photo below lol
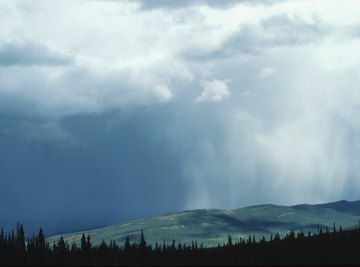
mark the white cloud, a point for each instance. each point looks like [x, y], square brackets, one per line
[214, 91]
[114, 64]
[163, 93]
[267, 72]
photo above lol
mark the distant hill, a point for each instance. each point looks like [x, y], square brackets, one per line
[211, 226]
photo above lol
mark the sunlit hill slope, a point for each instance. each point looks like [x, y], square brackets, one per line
[212, 226]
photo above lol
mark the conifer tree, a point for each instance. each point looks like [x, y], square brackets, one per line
[164, 246]
[41, 239]
[142, 242]
[88, 244]
[61, 247]
[229, 241]
[83, 243]
[127, 245]
[20, 238]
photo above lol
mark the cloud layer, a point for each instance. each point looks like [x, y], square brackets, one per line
[220, 105]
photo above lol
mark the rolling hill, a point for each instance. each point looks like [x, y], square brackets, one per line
[211, 226]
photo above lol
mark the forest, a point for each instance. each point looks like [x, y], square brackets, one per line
[325, 247]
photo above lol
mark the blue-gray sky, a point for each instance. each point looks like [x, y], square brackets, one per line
[115, 110]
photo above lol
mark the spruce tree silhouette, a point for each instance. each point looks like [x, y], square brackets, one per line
[83, 243]
[61, 248]
[142, 242]
[127, 245]
[229, 241]
[325, 248]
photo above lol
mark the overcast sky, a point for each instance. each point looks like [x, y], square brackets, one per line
[112, 110]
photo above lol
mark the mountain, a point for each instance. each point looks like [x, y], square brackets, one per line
[212, 226]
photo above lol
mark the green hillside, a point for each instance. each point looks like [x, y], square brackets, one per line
[211, 226]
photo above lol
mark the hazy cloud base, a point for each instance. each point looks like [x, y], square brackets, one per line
[175, 106]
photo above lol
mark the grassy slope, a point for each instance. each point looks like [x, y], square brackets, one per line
[211, 226]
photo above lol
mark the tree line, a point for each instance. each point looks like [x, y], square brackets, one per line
[336, 247]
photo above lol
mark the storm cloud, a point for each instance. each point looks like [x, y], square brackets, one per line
[114, 110]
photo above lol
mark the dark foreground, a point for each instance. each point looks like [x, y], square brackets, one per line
[335, 247]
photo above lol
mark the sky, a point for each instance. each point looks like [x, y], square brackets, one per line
[112, 110]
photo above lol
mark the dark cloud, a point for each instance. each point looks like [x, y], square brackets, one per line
[141, 161]
[29, 53]
[126, 167]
